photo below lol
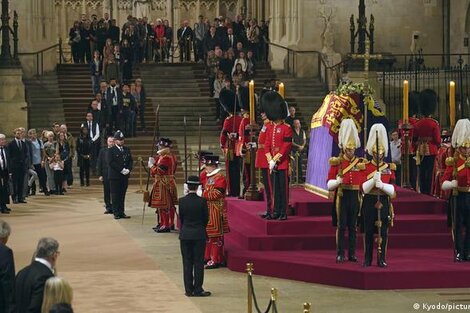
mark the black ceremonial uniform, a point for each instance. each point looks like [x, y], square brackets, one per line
[119, 158]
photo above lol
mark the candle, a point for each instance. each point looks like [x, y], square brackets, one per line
[281, 90]
[452, 103]
[252, 101]
[405, 102]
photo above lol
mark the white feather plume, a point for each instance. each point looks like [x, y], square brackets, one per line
[377, 129]
[461, 132]
[348, 132]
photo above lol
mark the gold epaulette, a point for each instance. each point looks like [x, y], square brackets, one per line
[450, 161]
[334, 161]
[392, 166]
[361, 165]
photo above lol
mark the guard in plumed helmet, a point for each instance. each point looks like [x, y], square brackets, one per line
[214, 193]
[378, 189]
[119, 167]
[278, 144]
[164, 195]
[244, 135]
[229, 140]
[345, 179]
[445, 151]
[457, 179]
[427, 139]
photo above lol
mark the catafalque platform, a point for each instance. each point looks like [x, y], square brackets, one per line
[303, 247]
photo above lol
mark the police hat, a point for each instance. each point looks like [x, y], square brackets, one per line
[193, 180]
[164, 142]
[274, 106]
[118, 135]
[211, 160]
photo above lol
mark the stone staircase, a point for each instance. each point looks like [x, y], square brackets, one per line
[181, 90]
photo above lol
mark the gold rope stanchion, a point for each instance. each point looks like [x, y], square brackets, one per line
[307, 307]
[141, 190]
[249, 271]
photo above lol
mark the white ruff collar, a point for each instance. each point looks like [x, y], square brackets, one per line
[213, 172]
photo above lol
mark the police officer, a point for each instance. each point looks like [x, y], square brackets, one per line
[119, 168]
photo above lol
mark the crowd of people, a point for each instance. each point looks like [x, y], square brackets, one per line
[35, 288]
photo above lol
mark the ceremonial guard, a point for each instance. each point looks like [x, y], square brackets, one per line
[427, 139]
[164, 195]
[228, 141]
[345, 177]
[377, 210]
[119, 167]
[277, 147]
[413, 107]
[444, 152]
[214, 193]
[244, 135]
[202, 173]
[457, 179]
[262, 164]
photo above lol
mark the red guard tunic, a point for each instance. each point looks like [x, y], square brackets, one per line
[444, 152]
[164, 192]
[427, 136]
[352, 172]
[214, 193]
[261, 161]
[243, 135]
[278, 144]
[463, 172]
[231, 125]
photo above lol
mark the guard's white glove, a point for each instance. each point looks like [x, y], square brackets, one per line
[252, 145]
[368, 185]
[339, 179]
[151, 162]
[199, 191]
[377, 176]
[448, 185]
[272, 164]
[125, 171]
[388, 189]
[379, 184]
[185, 189]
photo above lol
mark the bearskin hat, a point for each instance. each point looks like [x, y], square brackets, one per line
[243, 99]
[413, 103]
[274, 106]
[428, 102]
[227, 100]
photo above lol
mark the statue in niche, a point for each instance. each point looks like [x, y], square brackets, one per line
[330, 57]
[142, 8]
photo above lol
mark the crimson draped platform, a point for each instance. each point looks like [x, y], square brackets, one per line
[303, 247]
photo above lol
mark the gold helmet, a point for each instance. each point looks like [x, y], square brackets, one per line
[461, 134]
[380, 131]
[348, 137]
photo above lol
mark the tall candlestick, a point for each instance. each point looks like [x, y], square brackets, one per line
[452, 103]
[281, 90]
[405, 102]
[252, 101]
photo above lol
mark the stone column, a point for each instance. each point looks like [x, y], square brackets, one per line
[217, 8]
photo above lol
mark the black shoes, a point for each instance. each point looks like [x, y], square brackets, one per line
[352, 258]
[458, 258]
[283, 217]
[366, 263]
[118, 217]
[5, 210]
[339, 259]
[381, 263]
[108, 211]
[199, 294]
[163, 230]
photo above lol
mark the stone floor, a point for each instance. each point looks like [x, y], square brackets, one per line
[124, 266]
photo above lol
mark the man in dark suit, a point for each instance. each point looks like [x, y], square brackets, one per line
[17, 165]
[4, 176]
[30, 281]
[194, 216]
[102, 172]
[119, 167]
[114, 101]
[7, 269]
[185, 38]
[229, 40]
[94, 134]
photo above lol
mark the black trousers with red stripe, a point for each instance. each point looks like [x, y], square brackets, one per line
[280, 185]
[267, 190]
